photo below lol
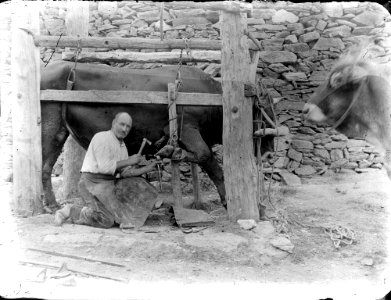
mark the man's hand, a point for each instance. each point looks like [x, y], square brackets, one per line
[134, 159]
[132, 171]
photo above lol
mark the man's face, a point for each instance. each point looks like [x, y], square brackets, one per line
[122, 126]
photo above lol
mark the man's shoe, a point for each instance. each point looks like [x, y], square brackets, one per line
[62, 215]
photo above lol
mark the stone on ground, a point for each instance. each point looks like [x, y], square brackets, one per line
[289, 178]
[247, 224]
[282, 243]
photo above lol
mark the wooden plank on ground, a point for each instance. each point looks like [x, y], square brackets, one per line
[141, 57]
[192, 217]
[289, 179]
[141, 97]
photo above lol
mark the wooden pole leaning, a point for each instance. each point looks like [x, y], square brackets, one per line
[173, 124]
[26, 111]
[196, 186]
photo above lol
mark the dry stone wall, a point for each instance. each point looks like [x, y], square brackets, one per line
[301, 43]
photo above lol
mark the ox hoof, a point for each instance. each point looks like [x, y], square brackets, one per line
[179, 154]
[165, 152]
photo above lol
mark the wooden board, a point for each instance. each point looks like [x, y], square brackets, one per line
[121, 97]
[191, 217]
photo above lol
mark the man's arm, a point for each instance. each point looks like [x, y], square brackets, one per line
[131, 161]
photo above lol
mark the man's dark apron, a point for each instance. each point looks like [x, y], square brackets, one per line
[108, 200]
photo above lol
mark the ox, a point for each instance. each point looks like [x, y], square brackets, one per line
[199, 127]
[356, 100]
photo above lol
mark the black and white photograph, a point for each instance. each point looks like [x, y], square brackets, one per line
[195, 150]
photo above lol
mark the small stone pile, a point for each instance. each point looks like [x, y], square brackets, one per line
[301, 43]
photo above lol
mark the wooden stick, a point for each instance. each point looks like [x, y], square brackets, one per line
[227, 6]
[282, 130]
[172, 115]
[75, 257]
[54, 267]
[160, 57]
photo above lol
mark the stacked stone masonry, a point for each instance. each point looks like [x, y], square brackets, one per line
[301, 43]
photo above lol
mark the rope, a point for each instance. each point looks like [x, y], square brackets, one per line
[339, 234]
[58, 41]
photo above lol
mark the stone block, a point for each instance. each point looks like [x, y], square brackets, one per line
[302, 146]
[335, 145]
[362, 30]
[295, 76]
[356, 143]
[283, 16]
[273, 44]
[322, 153]
[295, 155]
[278, 67]
[333, 9]
[305, 170]
[281, 162]
[336, 154]
[189, 21]
[369, 18]
[289, 105]
[327, 43]
[309, 37]
[282, 34]
[139, 24]
[290, 39]
[184, 13]
[253, 21]
[278, 57]
[321, 25]
[265, 13]
[339, 31]
[357, 156]
[297, 47]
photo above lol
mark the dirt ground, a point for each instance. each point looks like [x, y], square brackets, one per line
[222, 261]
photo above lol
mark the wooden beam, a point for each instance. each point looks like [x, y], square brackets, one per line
[240, 172]
[172, 116]
[279, 131]
[26, 112]
[76, 22]
[162, 57]
[227, 6]
[196, 186]
[127, 43]
[126, 97]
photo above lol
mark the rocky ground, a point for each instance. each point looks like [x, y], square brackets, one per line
[279, 256]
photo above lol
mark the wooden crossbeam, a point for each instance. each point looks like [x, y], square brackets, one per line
[128, 43]
[160, 57]
[122, 97]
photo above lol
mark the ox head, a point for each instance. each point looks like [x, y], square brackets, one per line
[355, 95]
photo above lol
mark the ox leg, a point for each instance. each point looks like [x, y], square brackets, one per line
[54, 136]
[200, 153]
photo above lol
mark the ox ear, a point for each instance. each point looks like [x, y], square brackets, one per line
[349, 74]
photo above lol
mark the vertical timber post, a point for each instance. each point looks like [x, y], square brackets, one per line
[26, 111]
[77, 19]
[240, 172]
[196, 186]
[172, 117]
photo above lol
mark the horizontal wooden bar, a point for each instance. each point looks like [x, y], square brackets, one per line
[126, 97]
[128, 43]
[228, 6]
[161, 57]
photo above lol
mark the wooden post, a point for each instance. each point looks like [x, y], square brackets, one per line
[196, 186]
[172, 116]
[240, 172]
[26, 111]
[77, 25]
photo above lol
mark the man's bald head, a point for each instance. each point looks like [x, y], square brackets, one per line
[121, 125]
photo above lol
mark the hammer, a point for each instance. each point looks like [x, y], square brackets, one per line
[145, 141]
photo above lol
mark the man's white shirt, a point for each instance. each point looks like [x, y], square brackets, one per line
[103, 153]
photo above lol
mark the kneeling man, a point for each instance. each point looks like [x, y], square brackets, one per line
[106, 157]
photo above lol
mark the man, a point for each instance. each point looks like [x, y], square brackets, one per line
[106, 157]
